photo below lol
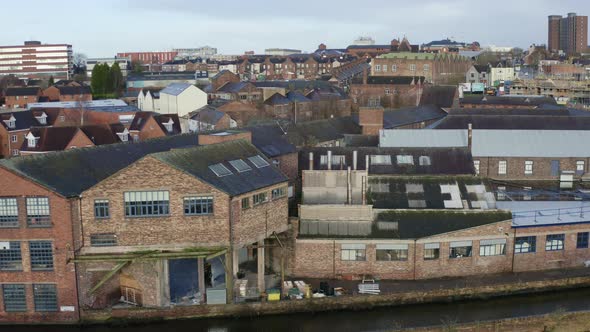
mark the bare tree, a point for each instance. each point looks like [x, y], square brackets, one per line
[79, 62]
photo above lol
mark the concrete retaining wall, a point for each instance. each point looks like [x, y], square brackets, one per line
[357, 302]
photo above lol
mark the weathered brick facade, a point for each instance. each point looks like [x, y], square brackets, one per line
[541, 259]
[515, 167]
[321, 258]
[371, 120]
[174, 232]
[60, 233]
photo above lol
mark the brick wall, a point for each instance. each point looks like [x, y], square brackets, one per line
[542, 259]
[515, 167]
[52, 93]
[60, 234]
[80, 140]
[371, 120]
[145, 277]
[6, 143]
[224, 78]
[150, 174]
[259, 222]
[77, 97]
[19, 101]
[151, 130]
[322, 258]
[390, 95]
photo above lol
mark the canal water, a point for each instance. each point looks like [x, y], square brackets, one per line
[381, 319]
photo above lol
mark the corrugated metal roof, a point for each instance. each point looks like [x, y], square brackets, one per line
[76, 104]
[531, 143]
[495, 143]
[422, 138]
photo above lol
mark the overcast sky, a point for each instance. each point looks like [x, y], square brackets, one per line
[103, 28]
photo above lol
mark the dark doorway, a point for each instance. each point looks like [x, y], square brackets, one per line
[183, 279]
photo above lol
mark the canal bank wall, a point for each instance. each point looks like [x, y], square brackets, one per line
[346, 302]
[554, 322]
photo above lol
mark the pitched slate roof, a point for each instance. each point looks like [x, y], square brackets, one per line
[208, 114]
[24, 120]
[277, 99]
[196, 161]
[100, 134]
[322, 130]
[442, 160]
[140, 119]
[22, 91]
[509, 121]
[395, 80]
[403, 224]
[271, 140]
[70, 172]
[500, 100]
[481, 68]
[297, 97]
[409, 115]
[175, 89]
[231, 87]
[165, 118]
[51, 138]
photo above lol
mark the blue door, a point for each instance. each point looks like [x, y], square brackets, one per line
[183, 278]
[554, 167]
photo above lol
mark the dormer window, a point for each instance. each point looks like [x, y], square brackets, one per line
[168, 125]
[11, 123]
[31, 140]
[42, 118]
[124, 136]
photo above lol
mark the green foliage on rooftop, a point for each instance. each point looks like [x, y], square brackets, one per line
[446, 216]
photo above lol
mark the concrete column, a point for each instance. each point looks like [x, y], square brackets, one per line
[235, 262]
[202, 288]
[260, 270]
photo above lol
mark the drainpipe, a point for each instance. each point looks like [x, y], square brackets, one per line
[354, 159]
[229, 261]
[334, 259]
[311, 161]
[415, 254]
[348, 187]
[74, 253]
[513, 245]
[329, 160]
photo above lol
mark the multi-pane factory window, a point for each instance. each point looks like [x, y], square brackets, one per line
[45, 297]
[201, 205]
[8, 212]
[15, 299]
[101, 208]
[103, 240]
[147, 203]
[10, 256]
[41, 255]
[38, 212]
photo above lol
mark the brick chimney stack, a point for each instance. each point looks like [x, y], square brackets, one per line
[371, 120]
